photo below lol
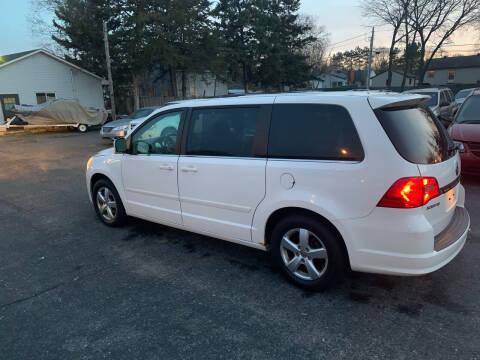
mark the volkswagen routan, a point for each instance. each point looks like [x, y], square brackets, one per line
[324, 181]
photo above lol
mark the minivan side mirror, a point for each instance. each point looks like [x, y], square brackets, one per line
[120, 145]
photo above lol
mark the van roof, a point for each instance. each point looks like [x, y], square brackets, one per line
[377, 99]
[425, 90]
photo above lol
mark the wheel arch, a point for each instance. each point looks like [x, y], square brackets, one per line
[284, 212]
[98, 176]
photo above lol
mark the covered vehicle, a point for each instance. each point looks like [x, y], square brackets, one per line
[465, 130]
[60, 113]
[119, 128]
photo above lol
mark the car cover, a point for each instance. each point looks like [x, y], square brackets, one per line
[60, 112]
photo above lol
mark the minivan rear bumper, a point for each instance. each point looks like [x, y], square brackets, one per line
[405, 247]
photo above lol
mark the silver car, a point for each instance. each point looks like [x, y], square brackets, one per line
[442, 101]
[119, 128]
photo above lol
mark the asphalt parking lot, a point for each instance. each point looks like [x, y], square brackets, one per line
[72, 288]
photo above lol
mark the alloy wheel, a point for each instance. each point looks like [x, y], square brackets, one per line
[106, 203]
[304, 254]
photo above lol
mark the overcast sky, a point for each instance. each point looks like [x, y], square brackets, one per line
[342, 19]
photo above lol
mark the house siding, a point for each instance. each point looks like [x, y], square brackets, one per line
[381, 80]
[40, 73]
[462, 76]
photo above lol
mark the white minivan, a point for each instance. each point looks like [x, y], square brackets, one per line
[325, 181]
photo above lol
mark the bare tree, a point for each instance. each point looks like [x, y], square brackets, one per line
[435, 21]
[390, 12]
[315, 51]
[41, 25]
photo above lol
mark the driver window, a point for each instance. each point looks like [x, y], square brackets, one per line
[159, 136]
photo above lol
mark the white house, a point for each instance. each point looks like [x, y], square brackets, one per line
[32, 77]
[330, 80]
[380, 80]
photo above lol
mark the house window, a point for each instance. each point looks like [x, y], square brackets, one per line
[451, 75]
[43, 97]
[431, 74]
[409, 81]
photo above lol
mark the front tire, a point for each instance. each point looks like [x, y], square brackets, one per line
[308, 252]
[107, 203]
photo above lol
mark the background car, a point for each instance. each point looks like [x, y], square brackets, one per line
[462, 95]
[442, 102]
[118, 128]
[465, 130]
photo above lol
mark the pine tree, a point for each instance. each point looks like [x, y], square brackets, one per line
[238, 43]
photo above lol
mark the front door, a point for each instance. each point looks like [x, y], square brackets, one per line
[149, 170]
[7, 102]
[221, 182]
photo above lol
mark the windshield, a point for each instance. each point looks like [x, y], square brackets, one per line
[433, 98]
[416, 134]
[140, 113]
[462, 94]
[469, 113]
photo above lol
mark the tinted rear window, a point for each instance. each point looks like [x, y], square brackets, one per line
[313, 131]
[416, 134]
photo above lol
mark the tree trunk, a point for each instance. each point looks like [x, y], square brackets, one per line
[391, 54]
[421, 70]
[136, 92]
[184, 84]
[173, 82]
[215, 87]
[245, 77]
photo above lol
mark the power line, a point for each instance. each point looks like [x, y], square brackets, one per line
[460, 45]
[352, 38]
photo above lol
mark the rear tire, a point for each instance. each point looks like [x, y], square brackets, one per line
[308, 252]
[107, 203]
[82, 128]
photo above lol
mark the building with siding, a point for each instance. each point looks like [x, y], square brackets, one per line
[380, 80]
[453, 70]
[33, 77]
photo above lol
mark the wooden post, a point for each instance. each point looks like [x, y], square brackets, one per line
[109, 71]
[369, 68]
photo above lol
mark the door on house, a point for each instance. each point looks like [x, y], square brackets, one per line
[7, 102]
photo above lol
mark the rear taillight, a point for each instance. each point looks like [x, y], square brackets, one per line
[410, 192]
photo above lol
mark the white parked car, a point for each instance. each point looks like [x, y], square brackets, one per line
[322, 180]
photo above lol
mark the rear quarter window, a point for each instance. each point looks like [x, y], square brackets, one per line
[313, 131]
[416, 134]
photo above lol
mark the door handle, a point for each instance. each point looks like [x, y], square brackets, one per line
[166, 167]
[189, 169]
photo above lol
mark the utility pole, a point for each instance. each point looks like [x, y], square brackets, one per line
[369, 68]
[109, 70]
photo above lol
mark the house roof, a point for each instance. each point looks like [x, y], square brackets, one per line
[6, 60]
[338, 75]
[455, 62]
[396, 72]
